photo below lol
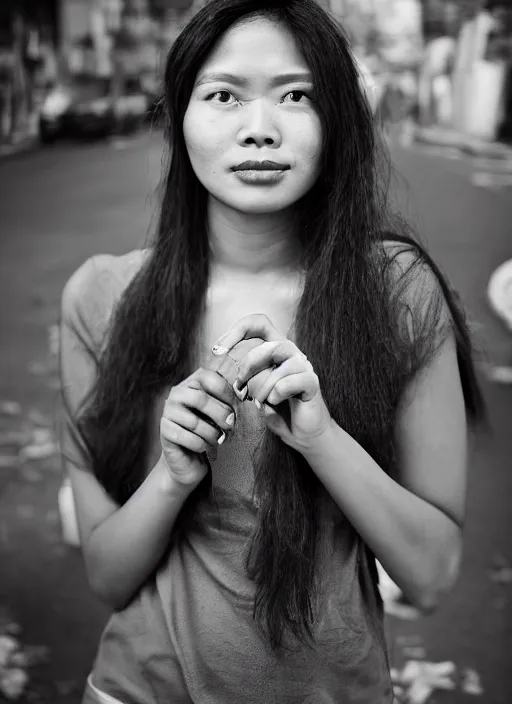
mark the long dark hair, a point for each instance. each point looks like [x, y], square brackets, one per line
[351, 320]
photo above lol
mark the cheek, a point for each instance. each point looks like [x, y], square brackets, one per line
[205, 144]
[308, 143]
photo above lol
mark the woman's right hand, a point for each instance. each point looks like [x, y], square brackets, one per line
[197, 413]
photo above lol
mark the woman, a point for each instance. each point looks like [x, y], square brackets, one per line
[272, 396]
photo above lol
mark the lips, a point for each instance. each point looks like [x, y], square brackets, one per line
[261, 166]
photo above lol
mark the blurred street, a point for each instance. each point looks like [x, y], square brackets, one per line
[58, 206]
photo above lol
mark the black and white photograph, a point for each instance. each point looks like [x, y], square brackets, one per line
[256, 351]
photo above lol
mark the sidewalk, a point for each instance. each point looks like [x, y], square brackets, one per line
[23, 140]
[489, 163]
[473, 146]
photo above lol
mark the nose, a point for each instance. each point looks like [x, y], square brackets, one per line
[258, 128]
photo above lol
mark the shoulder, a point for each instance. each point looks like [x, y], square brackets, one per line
[93, 290]
[411, 269]
[419, 290]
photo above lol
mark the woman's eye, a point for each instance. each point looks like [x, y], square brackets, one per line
[295, 96]
[221, 96]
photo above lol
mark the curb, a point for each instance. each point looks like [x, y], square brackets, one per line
[24, 145]
[464, 143]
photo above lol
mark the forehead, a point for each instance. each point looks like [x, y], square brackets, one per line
[256, 47]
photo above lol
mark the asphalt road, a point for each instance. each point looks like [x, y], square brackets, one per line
[58, 207]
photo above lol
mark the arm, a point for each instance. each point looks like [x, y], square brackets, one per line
[412, 522]
[121, 545]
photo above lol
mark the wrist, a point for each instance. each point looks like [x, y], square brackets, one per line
[318, 445]
[169, 485]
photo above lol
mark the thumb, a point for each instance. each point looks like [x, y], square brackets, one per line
[275, 422]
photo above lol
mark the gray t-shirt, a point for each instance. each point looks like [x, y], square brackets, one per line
[189, 636]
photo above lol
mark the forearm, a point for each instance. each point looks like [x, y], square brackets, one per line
[416, 543]
[124, 550]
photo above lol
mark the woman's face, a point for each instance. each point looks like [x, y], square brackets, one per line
[252, 102]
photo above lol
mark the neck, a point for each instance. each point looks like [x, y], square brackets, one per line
[251, 243]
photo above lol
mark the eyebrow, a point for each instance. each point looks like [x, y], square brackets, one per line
[280, 80]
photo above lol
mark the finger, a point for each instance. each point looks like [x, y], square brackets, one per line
[187, 419]
[293, 365]
[304, 385]
[268, 354]
[256, 383]
[214, 384]
[225, 365]
[256, 325]
[199, 401]
[176, 435]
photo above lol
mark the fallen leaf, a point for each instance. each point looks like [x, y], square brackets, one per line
[10, 408]
[8, 645]
[42, 436]
[421, 679]
[39, 451]
[419, 692]
[18, 659]
[13, 683]
[471, 682]
[395, 675]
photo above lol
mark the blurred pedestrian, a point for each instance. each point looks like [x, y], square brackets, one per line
[435, 96]
[271, 396]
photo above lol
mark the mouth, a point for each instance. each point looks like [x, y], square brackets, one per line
[261, 166]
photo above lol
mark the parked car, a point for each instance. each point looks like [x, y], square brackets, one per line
[87, 107]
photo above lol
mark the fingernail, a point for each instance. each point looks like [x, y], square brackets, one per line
[268, 410]
[230, 420]
[240, 392]
[219, 350]
[222, 438]
[257, 403]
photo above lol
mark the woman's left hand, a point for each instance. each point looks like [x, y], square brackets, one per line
[290, 377]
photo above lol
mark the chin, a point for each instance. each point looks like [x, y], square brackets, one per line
[260, 208]
[259, 204]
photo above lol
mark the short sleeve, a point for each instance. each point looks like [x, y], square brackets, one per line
[86, 305]
[88, 302]
[424, 316]
[77, 366]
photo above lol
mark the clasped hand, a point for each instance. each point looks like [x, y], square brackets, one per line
[290, 378]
